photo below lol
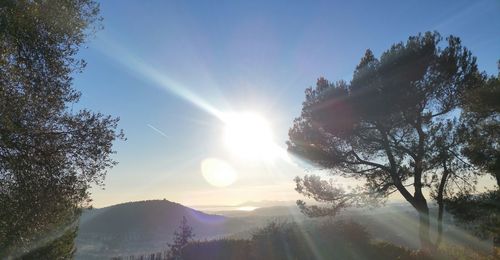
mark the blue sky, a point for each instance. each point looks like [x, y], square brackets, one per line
[155, 62]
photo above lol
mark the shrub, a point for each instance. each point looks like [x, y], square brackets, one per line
[217, 249]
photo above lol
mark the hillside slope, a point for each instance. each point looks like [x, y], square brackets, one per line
[144, 226]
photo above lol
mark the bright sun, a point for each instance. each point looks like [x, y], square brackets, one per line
[249, 136]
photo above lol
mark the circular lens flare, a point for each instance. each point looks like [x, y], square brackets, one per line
[217, 172]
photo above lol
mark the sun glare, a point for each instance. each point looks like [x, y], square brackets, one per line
[247, 208]
[249, 136]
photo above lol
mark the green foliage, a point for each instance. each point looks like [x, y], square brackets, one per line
[480, 134]
[62, 246]
[49, 154]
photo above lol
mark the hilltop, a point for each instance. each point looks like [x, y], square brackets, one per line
[144, 226]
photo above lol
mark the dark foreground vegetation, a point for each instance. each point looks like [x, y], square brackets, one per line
[51, 152]
[328, 240]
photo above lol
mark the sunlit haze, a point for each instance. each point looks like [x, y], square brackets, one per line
[206, 93]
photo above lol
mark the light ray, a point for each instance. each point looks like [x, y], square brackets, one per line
[148, 72]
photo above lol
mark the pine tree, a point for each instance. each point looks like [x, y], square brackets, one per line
[392, 126]
[182, 236]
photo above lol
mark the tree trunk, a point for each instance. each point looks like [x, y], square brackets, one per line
[423, 214]
[420, 201]
[440, 224]
[424, 229]
[439, 199]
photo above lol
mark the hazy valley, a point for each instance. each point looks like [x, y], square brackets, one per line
[143, 227]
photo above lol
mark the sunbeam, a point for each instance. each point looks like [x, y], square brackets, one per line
[140, 68]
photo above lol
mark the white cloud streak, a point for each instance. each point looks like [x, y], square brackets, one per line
[158, 131]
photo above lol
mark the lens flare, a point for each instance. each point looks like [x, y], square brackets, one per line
[217, 172]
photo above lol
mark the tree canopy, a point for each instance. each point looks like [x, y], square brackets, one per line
[480, 129]
[479, 133]
[50, 154]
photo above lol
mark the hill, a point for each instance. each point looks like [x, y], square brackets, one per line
[144, 226]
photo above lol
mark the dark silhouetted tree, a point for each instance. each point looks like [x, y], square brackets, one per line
[50, 154]
[182, 236]
[382, 126]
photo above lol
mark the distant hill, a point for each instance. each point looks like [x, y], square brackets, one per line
[273, 211]
[268, 203]
[144, 226]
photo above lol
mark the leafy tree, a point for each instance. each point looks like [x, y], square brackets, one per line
[181, 238]
[61, 246]
[385, 125]
[50, 154]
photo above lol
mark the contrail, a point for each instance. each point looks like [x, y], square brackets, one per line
[157, 130]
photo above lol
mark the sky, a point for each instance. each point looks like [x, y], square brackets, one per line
[169, 69]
